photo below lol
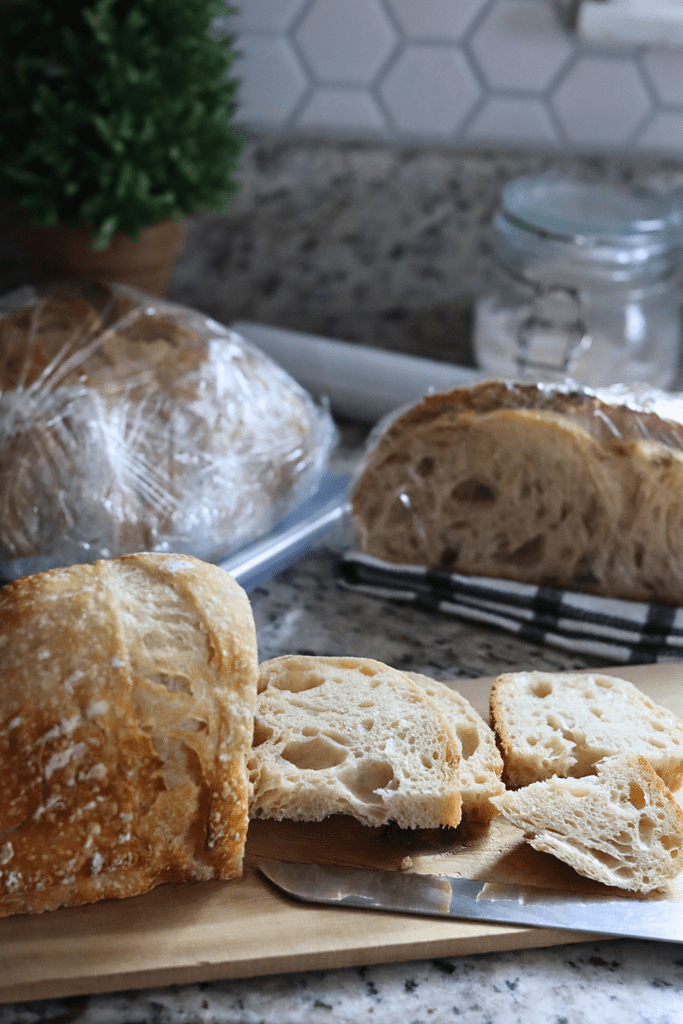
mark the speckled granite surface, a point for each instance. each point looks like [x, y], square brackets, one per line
[614, 982]
[383, 244]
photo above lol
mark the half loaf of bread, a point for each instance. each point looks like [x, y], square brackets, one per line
[481, 766]
[563, 724]
[350, 736]
[529, 483]
[621, 826]
[126, 713]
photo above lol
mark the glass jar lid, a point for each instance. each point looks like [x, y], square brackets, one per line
[549, 222]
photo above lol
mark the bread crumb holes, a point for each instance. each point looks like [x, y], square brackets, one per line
[542, 688]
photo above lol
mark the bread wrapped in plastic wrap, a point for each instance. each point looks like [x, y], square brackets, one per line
[550, 484]
[131, 424]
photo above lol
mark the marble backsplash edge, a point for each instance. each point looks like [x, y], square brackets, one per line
[378, 243]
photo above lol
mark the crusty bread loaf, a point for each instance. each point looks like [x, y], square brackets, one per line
[126, 712]
[28, 343]
[529, 483]
[621, 826]
[481, 766]
[350, 736]
[133, 426]
[563, 724]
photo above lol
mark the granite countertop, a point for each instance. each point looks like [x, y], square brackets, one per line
[617, 982]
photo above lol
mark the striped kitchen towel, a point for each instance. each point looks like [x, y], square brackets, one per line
[623, 632]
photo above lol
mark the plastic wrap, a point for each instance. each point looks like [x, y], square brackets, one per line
[619, 411]
[553, 484]
[128, 423]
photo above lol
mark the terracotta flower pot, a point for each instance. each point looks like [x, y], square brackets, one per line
[65, 253]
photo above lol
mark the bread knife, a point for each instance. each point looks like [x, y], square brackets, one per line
[628, 916]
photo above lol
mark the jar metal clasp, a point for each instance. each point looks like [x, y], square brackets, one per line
[553, 336]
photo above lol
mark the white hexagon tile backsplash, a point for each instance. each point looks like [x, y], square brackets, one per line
[508, 73]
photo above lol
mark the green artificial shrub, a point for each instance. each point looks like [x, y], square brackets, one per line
[115, 114]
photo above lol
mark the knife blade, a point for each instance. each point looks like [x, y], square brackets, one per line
[630, 916]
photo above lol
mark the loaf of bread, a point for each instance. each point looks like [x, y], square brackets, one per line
[350, 736]
[127, 424]
[621, 827]
[481, 766]
[534, 483]
[563, 724]
[126, 713]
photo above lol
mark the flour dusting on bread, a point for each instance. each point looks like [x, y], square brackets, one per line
[126, 713]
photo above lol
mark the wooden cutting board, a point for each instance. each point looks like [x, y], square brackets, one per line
[178, 934]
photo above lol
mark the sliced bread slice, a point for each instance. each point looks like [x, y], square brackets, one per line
[481, 766]
[350, 736]
[621, 827]
[550, 723]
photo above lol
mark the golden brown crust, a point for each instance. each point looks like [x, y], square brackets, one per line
[586, 409]
[503, 738]
[126, 712]
[660, 787]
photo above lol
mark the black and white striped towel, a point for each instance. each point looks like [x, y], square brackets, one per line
[623, 632]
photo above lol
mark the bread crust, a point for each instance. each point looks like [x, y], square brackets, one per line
[481, 766]
[603, 420]
[126, 713]
[529, 483]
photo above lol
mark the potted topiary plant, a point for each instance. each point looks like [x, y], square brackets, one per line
[115, 124]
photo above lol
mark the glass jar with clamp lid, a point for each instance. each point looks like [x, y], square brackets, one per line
[584, 284]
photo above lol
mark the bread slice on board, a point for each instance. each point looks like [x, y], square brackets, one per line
[563, 724]
[529, 483]
[621, 827]
[351, 736]
[481, 766]
[126, 712]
